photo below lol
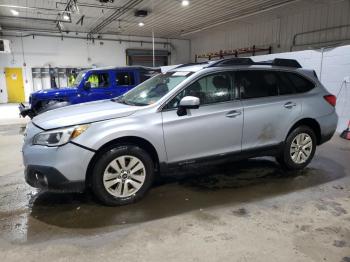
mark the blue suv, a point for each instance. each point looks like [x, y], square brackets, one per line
[90, 85]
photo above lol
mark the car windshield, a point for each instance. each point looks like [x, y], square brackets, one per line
[80, 77]
[153, 89]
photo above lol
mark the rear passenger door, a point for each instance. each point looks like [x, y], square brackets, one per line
[270, 106]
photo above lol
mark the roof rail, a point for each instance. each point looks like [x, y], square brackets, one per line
[232, 62]
[193, 64]
[249, 61]
[286, 62]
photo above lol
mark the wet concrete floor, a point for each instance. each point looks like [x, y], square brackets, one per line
[246, 211]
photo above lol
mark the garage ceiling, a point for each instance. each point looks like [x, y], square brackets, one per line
[168, 18]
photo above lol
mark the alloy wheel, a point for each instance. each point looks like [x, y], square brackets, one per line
[124, 176]
[301, 148]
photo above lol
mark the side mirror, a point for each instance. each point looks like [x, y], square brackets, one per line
[87, 86]
[188, 102]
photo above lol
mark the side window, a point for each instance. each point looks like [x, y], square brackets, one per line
[285, 86]
[210, 89]
[99, 80]
[300, 84]
[125, 79]
[143, 76]
[257, 83]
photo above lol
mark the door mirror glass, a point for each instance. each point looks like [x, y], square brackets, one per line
[87, 85]
[188, 102]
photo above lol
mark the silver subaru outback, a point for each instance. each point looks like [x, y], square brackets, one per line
[195, 114]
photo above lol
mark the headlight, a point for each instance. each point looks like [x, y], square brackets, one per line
[59, 137]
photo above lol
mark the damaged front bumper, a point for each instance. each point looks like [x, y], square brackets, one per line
[26, 111]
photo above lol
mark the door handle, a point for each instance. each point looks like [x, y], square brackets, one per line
[290, 105]
[233, 113]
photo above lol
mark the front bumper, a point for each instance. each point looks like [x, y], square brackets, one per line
[25, 111]
[50, 178]
[56, 168]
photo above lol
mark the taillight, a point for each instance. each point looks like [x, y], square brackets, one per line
[331, 99]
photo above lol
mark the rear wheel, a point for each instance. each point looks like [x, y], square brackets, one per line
[299, 149]
[122, 175]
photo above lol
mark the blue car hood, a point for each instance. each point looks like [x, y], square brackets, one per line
[52, 93]
[83, 113]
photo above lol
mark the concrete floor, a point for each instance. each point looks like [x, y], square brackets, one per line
[248, 211]
[9, 114]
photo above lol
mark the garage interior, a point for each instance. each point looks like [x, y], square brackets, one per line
[249, 210]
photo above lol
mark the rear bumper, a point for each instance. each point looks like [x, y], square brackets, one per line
[328, 126]
[50, 178]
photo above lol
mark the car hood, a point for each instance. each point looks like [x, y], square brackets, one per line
[83, 113]
[51, 93]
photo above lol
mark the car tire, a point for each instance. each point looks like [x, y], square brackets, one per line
[299, 149]
[122, 175]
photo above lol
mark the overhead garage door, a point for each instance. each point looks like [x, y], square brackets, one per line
[145, 57]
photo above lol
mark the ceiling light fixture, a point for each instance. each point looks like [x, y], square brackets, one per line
[185, 2]
[14, 12]
[141, 13]
[141, 24]
[66, 17]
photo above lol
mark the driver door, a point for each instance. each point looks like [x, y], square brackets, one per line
[212, 130]
[100, 87]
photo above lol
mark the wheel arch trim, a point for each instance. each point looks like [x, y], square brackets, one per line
[124, 140]
[310, 122]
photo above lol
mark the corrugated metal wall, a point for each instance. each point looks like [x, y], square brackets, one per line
[279, 27]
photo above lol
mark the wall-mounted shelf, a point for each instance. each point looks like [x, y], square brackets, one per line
[41, 76]
[234, 52]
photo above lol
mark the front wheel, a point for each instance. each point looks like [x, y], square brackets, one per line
[122, 175]
[299, 149]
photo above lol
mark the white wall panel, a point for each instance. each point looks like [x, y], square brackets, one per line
[44, 51]
[277, 28]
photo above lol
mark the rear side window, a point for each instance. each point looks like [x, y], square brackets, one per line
[144, 76]
[255, 84]
[261, 83]
[300, 83]
[125, 79]
[285, 86]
